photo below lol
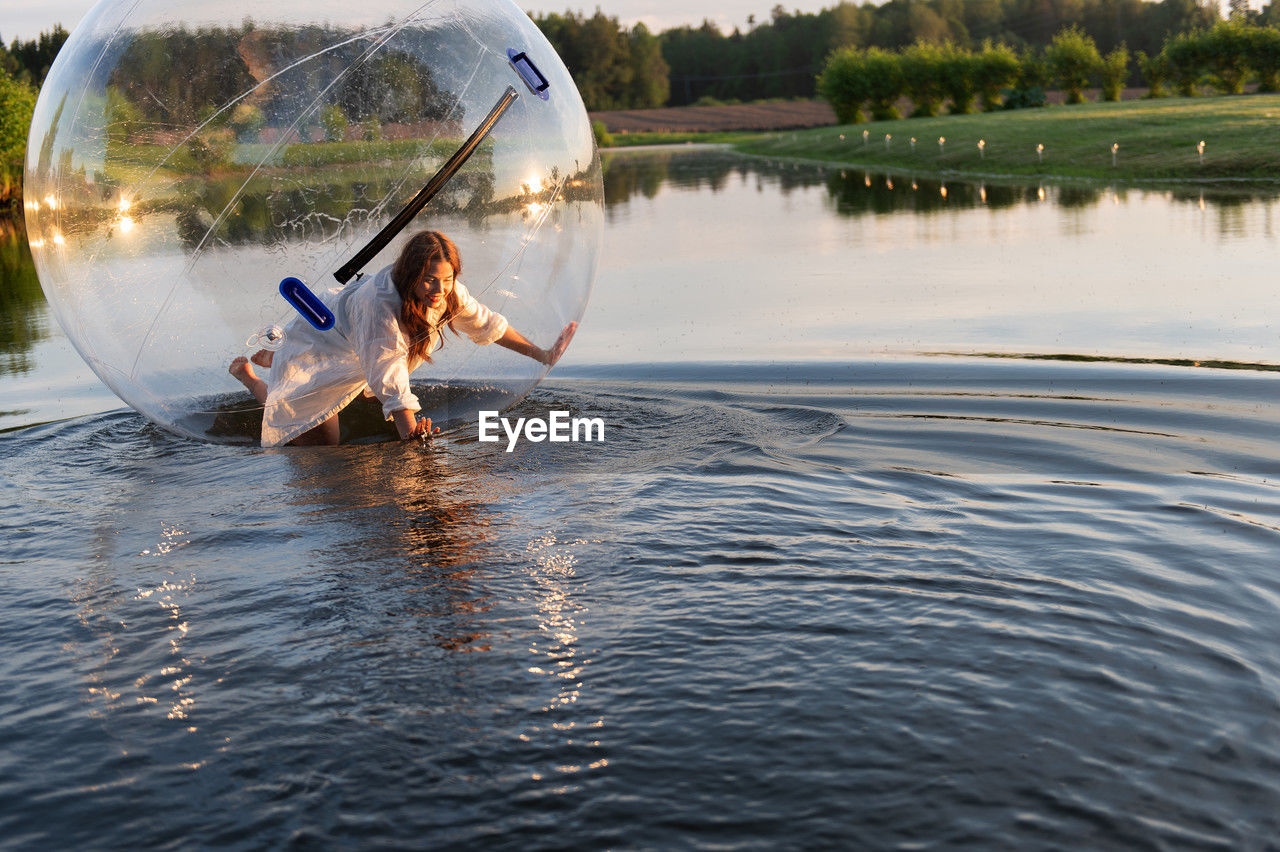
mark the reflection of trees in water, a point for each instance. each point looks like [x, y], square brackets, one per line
[854, 192]
[631, 173]
[316, 210]
[1075, 196]
[1228, 206]
[317, 206]
[857, 192]
[22, 323]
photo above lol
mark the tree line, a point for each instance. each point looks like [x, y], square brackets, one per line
[782, 56]
[23, 66]
[872, 81]
[1005, 47]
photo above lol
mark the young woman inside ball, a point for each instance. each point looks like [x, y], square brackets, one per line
[386, 326]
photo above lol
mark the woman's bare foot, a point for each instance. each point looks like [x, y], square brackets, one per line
[243, 371]
[262, 357]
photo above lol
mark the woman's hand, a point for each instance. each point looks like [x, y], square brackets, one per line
[552, 355]
[411, 426]
[516, 342]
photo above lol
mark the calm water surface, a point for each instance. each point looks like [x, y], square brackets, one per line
[813, 590]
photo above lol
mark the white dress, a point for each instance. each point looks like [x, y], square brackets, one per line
[315, 374]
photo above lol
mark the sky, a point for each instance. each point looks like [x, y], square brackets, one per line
[26, 19]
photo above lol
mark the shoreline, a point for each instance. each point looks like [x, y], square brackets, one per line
[1148, 141]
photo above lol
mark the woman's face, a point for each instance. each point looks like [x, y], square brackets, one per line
[436, 286]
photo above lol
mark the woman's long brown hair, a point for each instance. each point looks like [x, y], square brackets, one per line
[423, 249]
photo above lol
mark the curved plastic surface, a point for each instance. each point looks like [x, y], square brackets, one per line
[185, 157]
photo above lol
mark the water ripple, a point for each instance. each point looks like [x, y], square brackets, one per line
[807, 613]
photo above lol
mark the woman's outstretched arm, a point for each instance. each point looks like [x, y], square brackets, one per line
[517, 342]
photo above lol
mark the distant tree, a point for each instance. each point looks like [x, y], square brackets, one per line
[843, 84]
[650, 80]
[1032, 79]
[1155, 73]
[1074, 58]
[8, 63]
[884, 82]
[1225, 51]
[602, 69]
[1184, 56]
[846, 25]
[1172, 17]
[123, 117]
[921, 66]
[616, 68]
[994, 70]
[247, 120]
[1114, 69]
[959, 70]
[1033, 70]
[34, 58]
[17, 103]
[335, 123]
[1264, 57]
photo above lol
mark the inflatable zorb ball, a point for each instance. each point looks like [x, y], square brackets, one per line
[187, 157]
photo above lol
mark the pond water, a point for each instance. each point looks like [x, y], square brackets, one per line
[847, 569]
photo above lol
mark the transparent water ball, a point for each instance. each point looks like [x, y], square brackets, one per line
[187, 157]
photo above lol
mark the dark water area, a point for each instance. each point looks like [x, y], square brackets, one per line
[814, 589]
[946, 604]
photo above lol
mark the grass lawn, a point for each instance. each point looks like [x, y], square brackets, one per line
[1156, 140]
[635, 139]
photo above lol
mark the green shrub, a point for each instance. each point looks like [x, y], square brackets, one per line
[1263, 56]
[1155, 72]
[123, 117]
[210, 149]
[1033, 71]
[1074, 58]
[335, 122]
[1225, 52]
[17, 103]
[921, 65]
[1115, 71]
[1184, 56]
[1024, 98]
[958, 67]
[604, 139]
[247, 120]
[883, 73]
[994, 70]
[843, 85]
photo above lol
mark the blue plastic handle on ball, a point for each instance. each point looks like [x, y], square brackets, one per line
[528, 72]
[307, 303]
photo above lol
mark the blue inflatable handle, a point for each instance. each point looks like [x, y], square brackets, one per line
[307, 303]
[528, 72]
